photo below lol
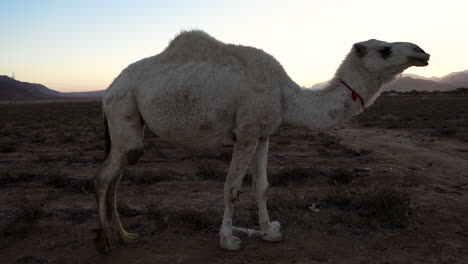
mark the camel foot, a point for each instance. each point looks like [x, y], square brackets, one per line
[102, 242]
[231, 243]
[129, 238]
[273, 234]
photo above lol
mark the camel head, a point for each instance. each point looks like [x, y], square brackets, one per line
[389, 58]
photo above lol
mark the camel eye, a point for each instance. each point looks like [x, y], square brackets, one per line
[385, 51]
[419, 50]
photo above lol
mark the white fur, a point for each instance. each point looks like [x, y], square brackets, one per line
[201, 93]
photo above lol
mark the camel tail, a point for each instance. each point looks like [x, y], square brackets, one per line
[106, 137]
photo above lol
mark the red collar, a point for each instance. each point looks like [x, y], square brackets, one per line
[354, 94]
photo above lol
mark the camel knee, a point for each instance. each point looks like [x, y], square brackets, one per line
[234, 194]
[134, 154]
[261, 195]
[104, 177]
[261, 188]
[100, 183]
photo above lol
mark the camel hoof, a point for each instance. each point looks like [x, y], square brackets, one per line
[102, 243]
[272, 237]
[129, 238]
[231, 243]
[274, 233]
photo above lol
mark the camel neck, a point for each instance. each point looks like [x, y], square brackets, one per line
[319, 110]
[355, 95]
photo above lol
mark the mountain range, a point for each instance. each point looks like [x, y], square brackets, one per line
[11, 89]
[409, 82]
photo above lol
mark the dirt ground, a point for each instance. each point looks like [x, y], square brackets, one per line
[378, 194]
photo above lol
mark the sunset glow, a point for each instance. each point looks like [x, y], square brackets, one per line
[83, 45]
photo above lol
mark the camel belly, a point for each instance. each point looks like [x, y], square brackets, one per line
[197, 130]
[192, 106]
[196, 140]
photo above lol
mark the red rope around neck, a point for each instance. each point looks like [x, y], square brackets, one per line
[354, 94]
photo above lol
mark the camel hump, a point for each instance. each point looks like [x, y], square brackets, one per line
[196, 45]
[194, 39]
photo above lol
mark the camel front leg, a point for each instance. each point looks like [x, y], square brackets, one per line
[271, 231]
[241, 157]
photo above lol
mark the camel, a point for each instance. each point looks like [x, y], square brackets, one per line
[201, 93]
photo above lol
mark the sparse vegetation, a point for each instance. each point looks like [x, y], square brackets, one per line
[31, 260]
[59, 146]
[8, 176]
[446, 114]
[341, 176]
[187, 218]
[148, 176]
[373, 208]
[7, 147]
[60, 180]
[291, 209]
[290, 174]
[45, 158]
[206, 171]
[22, 218]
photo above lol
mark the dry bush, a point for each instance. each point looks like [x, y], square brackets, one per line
[371, 209]
[292, 210]
[58, 179]
[7, 147]
[185, 219]
[207, 171]
[23, 218]
[341, 176]
[292, 174]
[44, 158]
[31, 260]
[63, 137]
[386, 207]
[132, 177]
[446, 114]
[8, 176]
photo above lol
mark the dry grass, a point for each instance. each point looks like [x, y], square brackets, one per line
[22, 219]
[7, 147]
[291, 174]
[445, 114]
[370, 209]
[206, 171]
[341, 176]
[58, 179]
[133, 177]
[185, 219]
[8, 176]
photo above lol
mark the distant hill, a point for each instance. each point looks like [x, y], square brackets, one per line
[409, 82]
[459, 79]
[405, 84]
[11, 89]
[92, 94]
[456, 79]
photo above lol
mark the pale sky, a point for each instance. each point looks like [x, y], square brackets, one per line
[71, 45]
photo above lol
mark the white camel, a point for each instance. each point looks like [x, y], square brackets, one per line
[200, 93]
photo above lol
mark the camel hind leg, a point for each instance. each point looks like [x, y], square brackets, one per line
[126, 135]
[111, 200]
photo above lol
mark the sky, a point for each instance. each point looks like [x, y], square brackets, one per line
[83, 45]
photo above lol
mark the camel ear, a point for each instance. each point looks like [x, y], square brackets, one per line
[360, 50]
